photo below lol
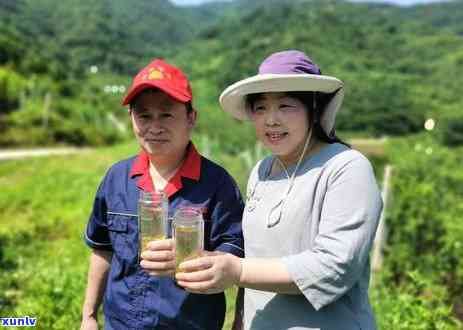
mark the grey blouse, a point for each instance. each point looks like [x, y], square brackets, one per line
[324, 237]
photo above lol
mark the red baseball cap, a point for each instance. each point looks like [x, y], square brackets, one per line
[161, 75]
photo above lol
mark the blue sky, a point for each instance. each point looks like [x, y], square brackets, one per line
[398, 2]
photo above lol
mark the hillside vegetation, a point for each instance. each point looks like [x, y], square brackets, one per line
[400, 65]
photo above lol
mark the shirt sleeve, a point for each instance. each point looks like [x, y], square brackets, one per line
[349, 218]
[226, 232]
[96, 234]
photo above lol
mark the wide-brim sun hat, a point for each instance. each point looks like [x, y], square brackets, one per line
[286, 71]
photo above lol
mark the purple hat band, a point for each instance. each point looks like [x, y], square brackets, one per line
[289, 62]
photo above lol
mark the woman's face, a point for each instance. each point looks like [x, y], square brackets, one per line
[282, 124]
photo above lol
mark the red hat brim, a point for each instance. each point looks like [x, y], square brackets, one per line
[155, 84]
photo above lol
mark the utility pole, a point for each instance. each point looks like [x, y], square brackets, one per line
[380, 238]
[46, 110]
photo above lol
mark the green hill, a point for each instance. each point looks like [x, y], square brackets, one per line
[400, 65]
[66, 36]
[47, 49]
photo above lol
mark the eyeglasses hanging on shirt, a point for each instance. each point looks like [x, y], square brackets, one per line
[276, 211]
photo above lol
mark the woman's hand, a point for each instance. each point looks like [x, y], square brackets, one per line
[159, 258]
[210, 274]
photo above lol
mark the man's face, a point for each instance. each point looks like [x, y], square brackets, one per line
[161, 125]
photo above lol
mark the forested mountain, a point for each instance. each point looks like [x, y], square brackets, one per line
[114, 33]
[47, 47]
[400, 65]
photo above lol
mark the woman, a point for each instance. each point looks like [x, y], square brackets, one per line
[312, 207]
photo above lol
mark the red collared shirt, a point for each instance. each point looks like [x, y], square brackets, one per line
[191, 168]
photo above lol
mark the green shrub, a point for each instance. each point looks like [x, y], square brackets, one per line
[424, 231]
[416, 304]
[11, 86]
[452, 131]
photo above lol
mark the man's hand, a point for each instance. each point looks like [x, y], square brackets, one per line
[89, 323]
[159, 258]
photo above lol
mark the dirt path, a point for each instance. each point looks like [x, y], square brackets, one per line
[368, 146]
[41, 152]
[374, 147]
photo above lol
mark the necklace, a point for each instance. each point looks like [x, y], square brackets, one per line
[274, 216]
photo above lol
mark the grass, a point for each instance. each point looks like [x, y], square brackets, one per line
[44, 206]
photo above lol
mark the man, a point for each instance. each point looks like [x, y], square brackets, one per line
[144, 295]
